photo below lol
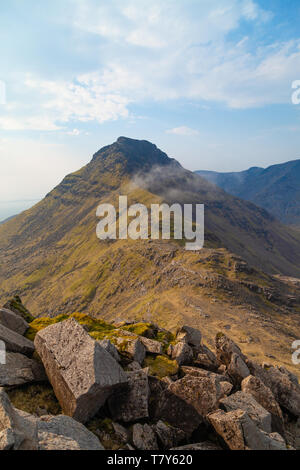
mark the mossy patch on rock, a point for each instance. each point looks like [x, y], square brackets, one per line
[98, 329]
[103, 429]
[141, 329]
[161, 366]
[31, 398]
[15, 304]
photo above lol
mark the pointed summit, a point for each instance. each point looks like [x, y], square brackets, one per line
[135, 155]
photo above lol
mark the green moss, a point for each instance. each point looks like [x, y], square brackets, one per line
[161, 366]
[141, 329]
[15, 304]
[98, 329]
[102, 428]
[31, 397]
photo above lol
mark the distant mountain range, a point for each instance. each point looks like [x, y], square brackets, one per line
[276, 188]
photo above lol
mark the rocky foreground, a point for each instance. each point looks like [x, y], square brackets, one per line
[137, 386]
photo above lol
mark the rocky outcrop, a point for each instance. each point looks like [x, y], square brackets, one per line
[15, 342]
[82, 373]
[12, 321]
[110, 348]
[20, 370]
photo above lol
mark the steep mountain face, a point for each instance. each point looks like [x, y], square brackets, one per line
[276, 188]
[50, 255]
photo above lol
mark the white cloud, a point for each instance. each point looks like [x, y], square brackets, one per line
[159, 51]
[183, 130]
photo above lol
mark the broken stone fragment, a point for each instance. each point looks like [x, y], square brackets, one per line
[110, 348]
[189, 335]
[244, 401]
[182, 353]
[237, 369]
[263, 395]
[206, 359]
[15, 342]
[13, 322]
[152, 346]
[20, 370]
[143, 437]
[225, 347]
[167, 435]
[83, 375]
[239, 432]
[131, 403]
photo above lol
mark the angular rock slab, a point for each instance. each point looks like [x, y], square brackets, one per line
[20, 370]
[189, 335]
[12, 321]
[83, 375]
[152, 346]
[143, 437]
[182, 353]
[263, 395]
[131, 404]
[240, 433]
[15, 342]
[167, 435]
[244, 401]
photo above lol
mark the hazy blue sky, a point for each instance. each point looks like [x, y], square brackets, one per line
[208, 81]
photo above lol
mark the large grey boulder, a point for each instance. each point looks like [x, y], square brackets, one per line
[83, 375]
[239, 432]
[20, 370]
[64, 433]
[244, 401]
[263, 395]
[131, 404]
[285, 390]
[12, 321]
[15, 342]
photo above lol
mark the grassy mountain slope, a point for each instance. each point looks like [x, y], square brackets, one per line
[276, 188]
[50, 255]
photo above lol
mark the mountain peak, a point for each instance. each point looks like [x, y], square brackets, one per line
[135, 154]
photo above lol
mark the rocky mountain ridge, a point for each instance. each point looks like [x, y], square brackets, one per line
[137, 386]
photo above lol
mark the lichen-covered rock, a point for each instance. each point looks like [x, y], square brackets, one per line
[133, 347]
[167, 435]
[143, 437]
[237, 369]
[110, 348]
[263, 395]
[244, 401]
[182, 353]
[83, 375]
[240, 433]
[285, 391]
[202, 393]
[16, 432]
[15, 342]
[134, 366]
[121, 432]
[131, 404]
[225, 347]
[152, 346]
[206, 359]
[67, 432]
[12, 321]
[189, 335]
[20, 370]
